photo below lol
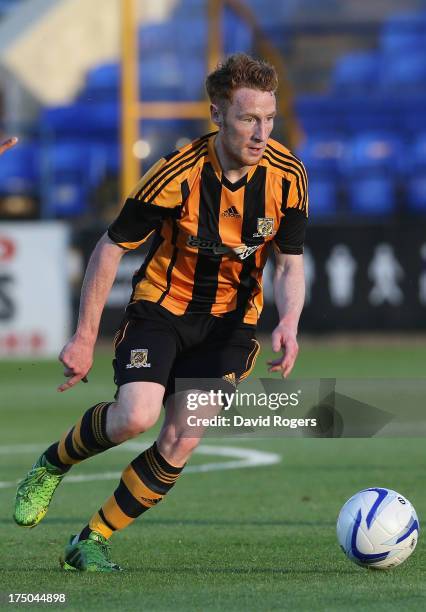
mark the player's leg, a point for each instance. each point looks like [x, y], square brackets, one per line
[143, 484]
[88, 550]
[151, 475]
[106, 424]
[179, 437]
[226, 358]
[100, 428]
[133, 413]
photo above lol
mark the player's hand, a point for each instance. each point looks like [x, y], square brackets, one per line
[284, 338]
[77, 357]
[8, 144]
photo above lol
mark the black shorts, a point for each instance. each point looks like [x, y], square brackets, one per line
[155, 345]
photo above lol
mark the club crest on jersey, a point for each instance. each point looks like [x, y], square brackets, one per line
[138, 359]
[265, 227]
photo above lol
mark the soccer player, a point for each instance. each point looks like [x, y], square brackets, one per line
[213, 208]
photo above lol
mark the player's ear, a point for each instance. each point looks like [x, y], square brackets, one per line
[216, 115]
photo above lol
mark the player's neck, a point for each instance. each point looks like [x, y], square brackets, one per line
[230, 167]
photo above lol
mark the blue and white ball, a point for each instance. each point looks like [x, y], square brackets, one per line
[378, 528]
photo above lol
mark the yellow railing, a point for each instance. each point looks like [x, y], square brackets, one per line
[133, 109]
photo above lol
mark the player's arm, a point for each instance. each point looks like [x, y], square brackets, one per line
[77, 354]
[289, 279]
[142, 213]
[289, 293]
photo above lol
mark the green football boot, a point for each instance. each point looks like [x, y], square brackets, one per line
[91, 555]
[35, 492]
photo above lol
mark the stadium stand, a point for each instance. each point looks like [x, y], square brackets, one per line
[403, 32]
[321, 155]
[355, 72]
[74, 169]
[19, 173]
[368, 167]
[416, 175]
[375, 102]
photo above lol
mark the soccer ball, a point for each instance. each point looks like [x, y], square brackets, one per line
[378, 528]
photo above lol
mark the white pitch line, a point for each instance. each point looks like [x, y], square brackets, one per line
[243, 458]
[18, 449]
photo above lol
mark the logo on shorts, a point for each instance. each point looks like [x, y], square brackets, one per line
[139, 359]
[265, 227]
[231, 378]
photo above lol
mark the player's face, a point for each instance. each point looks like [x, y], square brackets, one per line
[245, 125]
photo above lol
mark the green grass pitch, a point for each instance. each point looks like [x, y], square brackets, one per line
[254, 539]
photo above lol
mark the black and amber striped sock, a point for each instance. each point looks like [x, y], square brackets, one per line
[143, 484]
[86, 439]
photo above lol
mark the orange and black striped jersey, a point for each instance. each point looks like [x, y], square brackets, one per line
[211, 236]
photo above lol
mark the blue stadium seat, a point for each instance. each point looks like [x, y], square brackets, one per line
[356, 73]
[416, 192]
[192, 34]
[370, 168]
[321, 154]
[103, 81]
[193, 77]
[323, 196]
[162, 76]
[113, 158]
[371, 113]
[81, 120]
[415, 175]
[418, 152]
[19, 170]
[377, 151]
[372, 194]
[157, 38]
[189, 8]
[320, 113]
[65, 120]
[413, 113]
[102, 84]
[104, 120]
[405, 73]
[237, 35]
[404, 32]
[72, 171]
[271, 12]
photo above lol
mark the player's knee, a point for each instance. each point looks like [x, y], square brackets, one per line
[136, 410]
[130, 421]
[136, 423]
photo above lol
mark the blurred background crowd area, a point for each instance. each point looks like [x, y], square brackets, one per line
[355, 80]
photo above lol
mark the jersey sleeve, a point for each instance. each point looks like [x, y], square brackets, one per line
[155, 198]
[290, 236]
